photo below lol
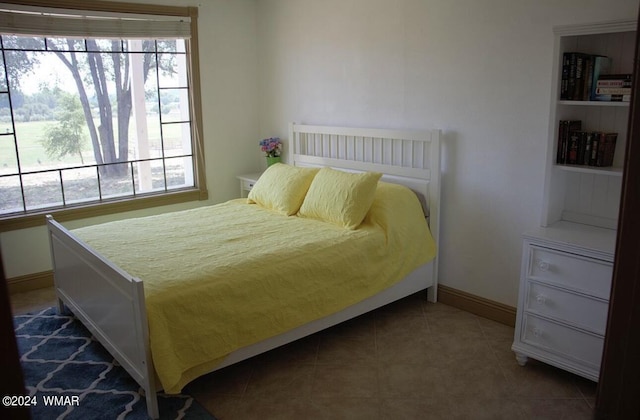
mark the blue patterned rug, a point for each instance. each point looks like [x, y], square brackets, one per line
[66, 367]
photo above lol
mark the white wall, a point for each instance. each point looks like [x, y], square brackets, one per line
[480, 70]
[228, 72]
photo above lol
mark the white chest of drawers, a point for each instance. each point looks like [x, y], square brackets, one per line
[565, 284]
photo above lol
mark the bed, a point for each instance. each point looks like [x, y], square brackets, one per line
[316, 283]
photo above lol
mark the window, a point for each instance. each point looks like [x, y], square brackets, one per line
[95, 108]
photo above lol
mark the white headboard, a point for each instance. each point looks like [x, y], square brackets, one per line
[410, 158]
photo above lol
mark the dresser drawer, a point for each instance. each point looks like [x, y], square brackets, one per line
[579, 310]
[578, 273]
[560, 339]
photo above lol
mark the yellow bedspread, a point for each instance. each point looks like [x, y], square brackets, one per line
[222, 277]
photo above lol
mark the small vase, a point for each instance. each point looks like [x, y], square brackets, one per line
[273, 159]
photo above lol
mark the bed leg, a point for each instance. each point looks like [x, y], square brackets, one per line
[152, 404]
[432, 294]
[60, 306]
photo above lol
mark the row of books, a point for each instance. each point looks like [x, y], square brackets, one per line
[613, 87]
[585, 77]
[578, 147]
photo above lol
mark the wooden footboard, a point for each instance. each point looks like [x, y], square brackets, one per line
[108, 301]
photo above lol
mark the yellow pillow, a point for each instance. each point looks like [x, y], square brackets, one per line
[282, 188]
[339, 197]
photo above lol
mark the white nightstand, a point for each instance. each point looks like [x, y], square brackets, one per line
[247, 181]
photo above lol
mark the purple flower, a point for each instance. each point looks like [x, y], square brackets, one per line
[272, 146]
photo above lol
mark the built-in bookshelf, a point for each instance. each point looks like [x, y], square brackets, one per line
[581, 193]
[567, 263]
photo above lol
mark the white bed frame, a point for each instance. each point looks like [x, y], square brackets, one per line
[111, 304]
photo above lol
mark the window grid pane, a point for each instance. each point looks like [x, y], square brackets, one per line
[80, 185]
[179, 172]
[67, 159]
[42, 190]
[11, 195]
[65, 44]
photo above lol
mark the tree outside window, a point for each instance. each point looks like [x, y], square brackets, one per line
[89, 120]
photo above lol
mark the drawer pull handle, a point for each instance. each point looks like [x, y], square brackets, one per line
[251, 185]
[541, 299]
[542, 265]
[537, 332]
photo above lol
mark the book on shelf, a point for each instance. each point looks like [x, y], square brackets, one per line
[613, 98]
[585, 139]
[601, 65]
[572, 153]
[585, 148]
[613, 88]
[586, 152]
[613, 91]
[606, 149]
[572, 84]
[614, 80]
[602, 147]
[564, 77]
[566, 127]
[579, 147]
[585, 77]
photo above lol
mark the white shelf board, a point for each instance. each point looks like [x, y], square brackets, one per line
[595, 103]
[596, 170]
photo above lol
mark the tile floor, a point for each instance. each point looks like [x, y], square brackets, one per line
[408, 360]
